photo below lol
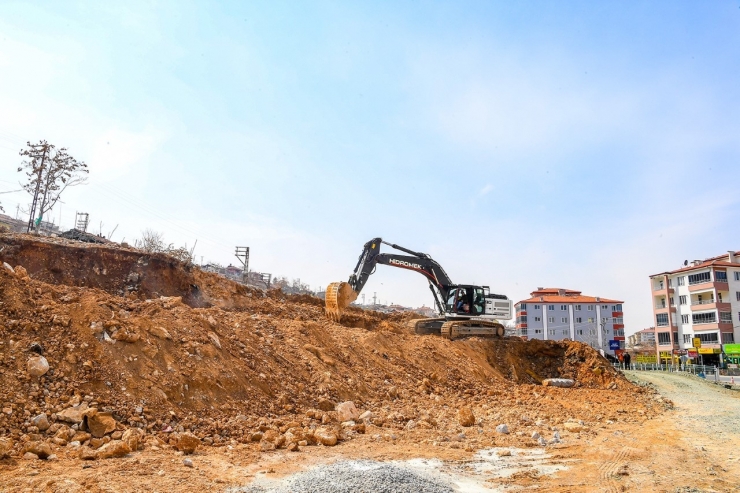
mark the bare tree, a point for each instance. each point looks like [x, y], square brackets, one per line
[151, 241]
[49, 172]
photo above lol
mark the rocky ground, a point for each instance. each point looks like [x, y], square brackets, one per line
[110, 354]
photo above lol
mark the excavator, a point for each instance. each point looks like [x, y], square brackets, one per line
[464, 309]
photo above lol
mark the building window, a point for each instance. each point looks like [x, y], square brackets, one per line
[686, 338]
[537, 319]
[551, 332]
[664, 338]
[710, 338]
[725, 317]
[538, 331]
[551, 307]
[720, 276]
[737, 276]
[618, 320]
[682, 299]
[670, 301]
[580, 332]
[563, 307]
[703, 318]
[728, 338]
[737, 295]
[521, 319]
[523, 306]
[590, 308]
[675, 338]
[670, 283]
[577, 308]
[579, 320]
[681, 281]
[661, 319]
[536, 307]
[551, 320]
[699, 278]
[564, 320]
[684, 319]
[590, 320]
[523, 332]
[619, 333]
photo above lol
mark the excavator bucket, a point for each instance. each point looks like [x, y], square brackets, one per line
[338, 297]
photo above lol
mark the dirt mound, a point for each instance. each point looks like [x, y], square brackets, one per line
[229, 363]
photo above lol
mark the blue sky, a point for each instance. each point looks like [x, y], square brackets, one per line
[572, 144]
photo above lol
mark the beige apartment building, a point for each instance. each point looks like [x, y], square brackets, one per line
[700, 300]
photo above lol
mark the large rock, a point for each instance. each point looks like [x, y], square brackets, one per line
[114, 448]
[37, 366]
[465, 416]
[326, 405]
[41, 449]
[6, 447]
[133, 437]
[346, 411]
[502, 428]
[41, 422]
[86, 453]
[99, 424]
[73, 414]
[325, 436]
[187, 442]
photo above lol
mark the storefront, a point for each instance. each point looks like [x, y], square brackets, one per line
[711, 356]
[732, 353]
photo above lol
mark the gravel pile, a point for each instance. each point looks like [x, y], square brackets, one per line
[354, 477]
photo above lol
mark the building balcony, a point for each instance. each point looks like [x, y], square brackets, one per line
[522, 325]
[721, 326]
[710, 305]
[709, 286]
[617, 314]
[662, 290]
[520, 313]
[660, 308]
[618, 326]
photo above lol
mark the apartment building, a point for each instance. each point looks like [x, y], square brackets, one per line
[697, 301]
[642, 337]
[557, 314]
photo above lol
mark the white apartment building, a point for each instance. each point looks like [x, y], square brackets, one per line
[557, 314]
[702, 300]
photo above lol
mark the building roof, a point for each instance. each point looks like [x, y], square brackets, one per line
[718, 261]
[559, 295]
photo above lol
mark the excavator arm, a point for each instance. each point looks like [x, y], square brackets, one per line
[339, 294]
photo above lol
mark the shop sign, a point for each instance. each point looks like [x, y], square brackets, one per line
[709, 350]
[680, 351]
[692, 354]
[731, 348]
[613, 345]
[696, 342]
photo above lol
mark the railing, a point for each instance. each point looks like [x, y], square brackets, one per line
[703, 321]
[703, 302]
[701, 281]
[658, 288]
[707, 370]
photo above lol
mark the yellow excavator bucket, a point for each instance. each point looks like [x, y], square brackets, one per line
[338, 297]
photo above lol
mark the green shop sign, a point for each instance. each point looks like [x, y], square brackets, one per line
[731, 349]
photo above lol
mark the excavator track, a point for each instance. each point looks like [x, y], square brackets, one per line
[460, 328]
[426, 325]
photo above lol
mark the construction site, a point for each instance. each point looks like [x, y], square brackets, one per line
[128, 371]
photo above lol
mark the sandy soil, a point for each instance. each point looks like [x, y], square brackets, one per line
[687, 449]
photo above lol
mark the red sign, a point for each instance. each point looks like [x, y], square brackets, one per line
[693, 354]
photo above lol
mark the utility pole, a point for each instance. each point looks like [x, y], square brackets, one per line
[32, 214]
[242, 253]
